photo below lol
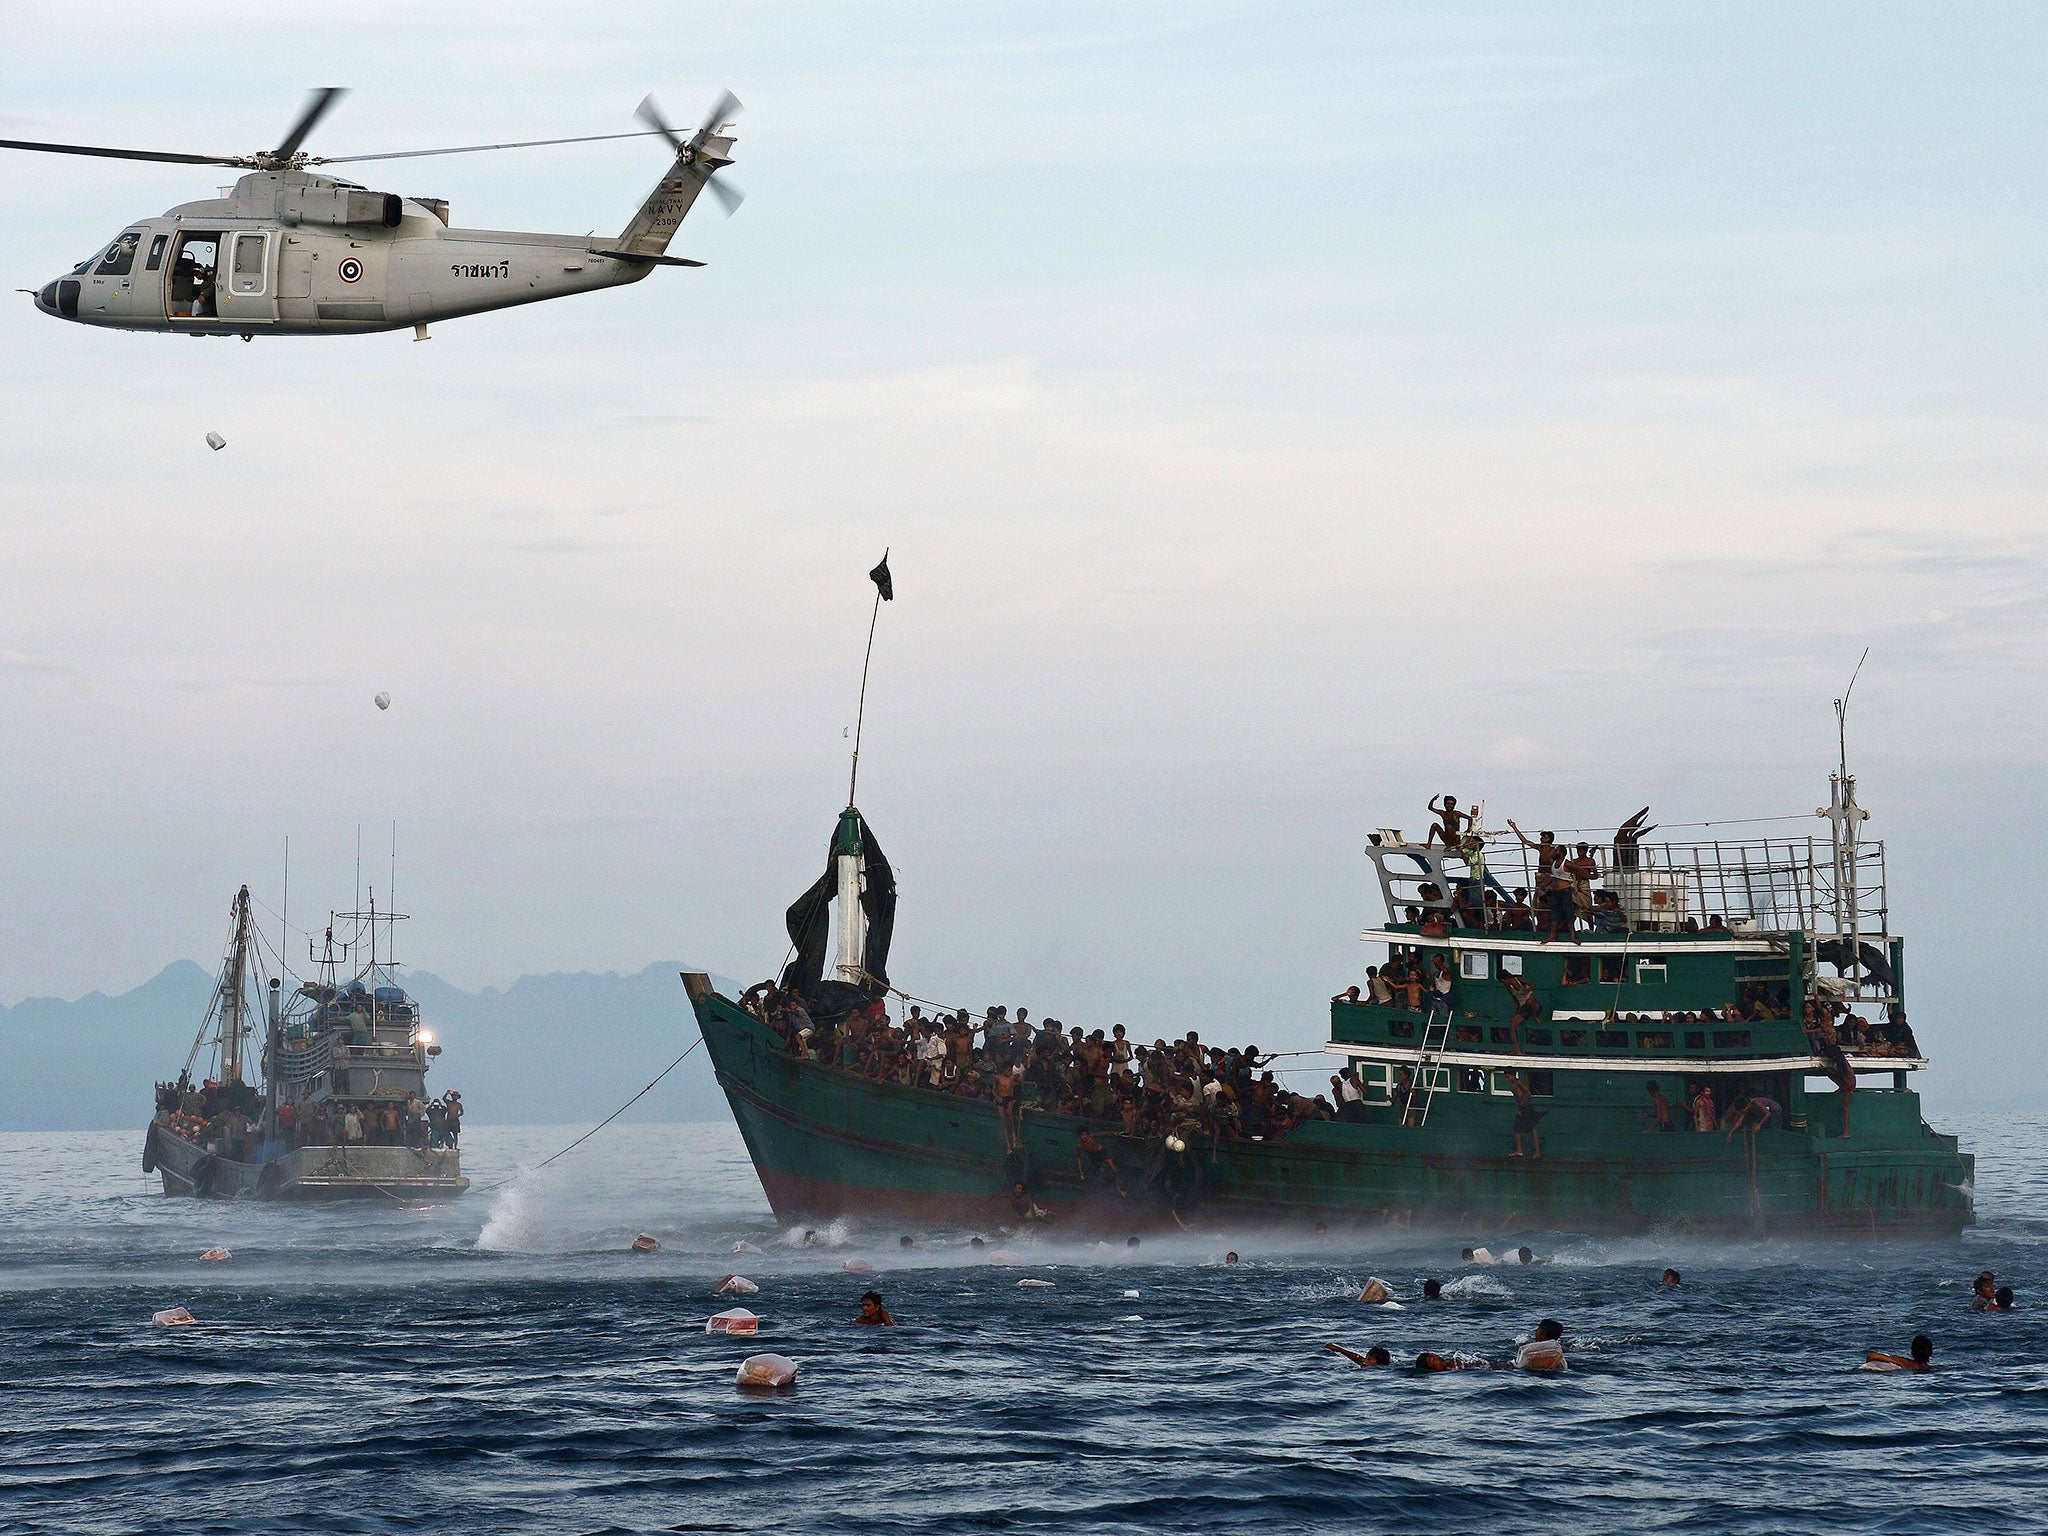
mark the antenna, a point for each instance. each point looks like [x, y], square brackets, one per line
[284, 918]
[1842, 712]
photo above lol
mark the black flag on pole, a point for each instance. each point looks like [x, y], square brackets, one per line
[880, 577]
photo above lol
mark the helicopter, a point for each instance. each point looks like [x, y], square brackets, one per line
[286, 252]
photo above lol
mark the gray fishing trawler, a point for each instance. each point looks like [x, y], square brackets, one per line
[339, 1109]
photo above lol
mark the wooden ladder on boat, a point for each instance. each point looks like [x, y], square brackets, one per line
[1436, 1039]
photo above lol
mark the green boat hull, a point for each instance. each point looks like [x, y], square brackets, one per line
[828, 1143]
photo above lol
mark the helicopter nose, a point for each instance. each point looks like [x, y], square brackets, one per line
[59, 297]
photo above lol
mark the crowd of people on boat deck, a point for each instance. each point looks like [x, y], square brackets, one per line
[423, 1124]
[1220, 1094]
[1428, 987]
[226, 1115]
[1565, 899]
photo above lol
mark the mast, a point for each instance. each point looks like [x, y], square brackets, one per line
[850, 918]
[234, 1010]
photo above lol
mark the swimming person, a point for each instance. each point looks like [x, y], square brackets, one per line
[1432, 1290]
[1922, 1358]
[1984, 1292]
[1545, 1352]
[2001, 1299]
[1671, 1277]
[1524, 1256]
[1430, 1360]
[872, 1313]
[1377, 1355]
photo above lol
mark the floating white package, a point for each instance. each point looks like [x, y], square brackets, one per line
[766, 1371]
[733, 1320]
[735, 1285]
[173, 1317]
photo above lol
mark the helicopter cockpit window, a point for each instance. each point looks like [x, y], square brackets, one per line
[156, 252]
[120, 257]
[194, 261]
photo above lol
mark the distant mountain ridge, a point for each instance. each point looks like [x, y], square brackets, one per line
[555, 1049]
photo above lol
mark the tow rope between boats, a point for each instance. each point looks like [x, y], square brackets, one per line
[607, 1120]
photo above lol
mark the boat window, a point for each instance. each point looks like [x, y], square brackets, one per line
[1650, 971]
[1653, 1040]
[120, 257]
[1611, 1039]
[1401, 1029]
[1471, 1080]
[1511, 965]
[1472, 965]
[1695, 1039]
[1466, 1034]
[1731, 1039]
[1502, 1035]
[1541, 1085]
[1372, 1077]
[1610, 968]
[1536, 1035]
[156, 253]
[1571, 1037]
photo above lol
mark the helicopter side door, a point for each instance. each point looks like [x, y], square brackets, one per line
[246, 290]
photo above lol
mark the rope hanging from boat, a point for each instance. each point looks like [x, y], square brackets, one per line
[607, 1120]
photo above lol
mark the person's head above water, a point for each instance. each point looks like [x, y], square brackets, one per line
[1465, 1255]
[1671, 1277]
[1923, 1349]
[1432, 1290]
[975, 1242]
[1378, 1355]
[2002, 1298]
[1550, 1328]
[1986, 1284]
[1524, 1256]
[904, 1241]
[1131, 1241]
[1230, 1257]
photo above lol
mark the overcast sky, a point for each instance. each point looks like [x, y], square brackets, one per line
[1277, 414]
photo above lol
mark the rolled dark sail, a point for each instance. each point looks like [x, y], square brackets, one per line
[809, 922]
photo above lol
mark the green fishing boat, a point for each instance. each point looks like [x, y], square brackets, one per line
[1594, 1033]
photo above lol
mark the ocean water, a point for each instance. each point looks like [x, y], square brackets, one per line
[505, 1364]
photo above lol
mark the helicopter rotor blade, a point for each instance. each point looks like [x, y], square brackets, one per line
[125, 154]
[317, 106]
[470, 149]
[649, 112]
[729, 196]
[723, 111]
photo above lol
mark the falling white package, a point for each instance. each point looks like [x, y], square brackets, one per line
[215, 441]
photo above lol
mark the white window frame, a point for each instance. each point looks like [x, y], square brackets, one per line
[1472, 964]
[1511, 965]
[1645, 967]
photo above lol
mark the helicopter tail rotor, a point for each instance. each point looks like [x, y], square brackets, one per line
[700, 157]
